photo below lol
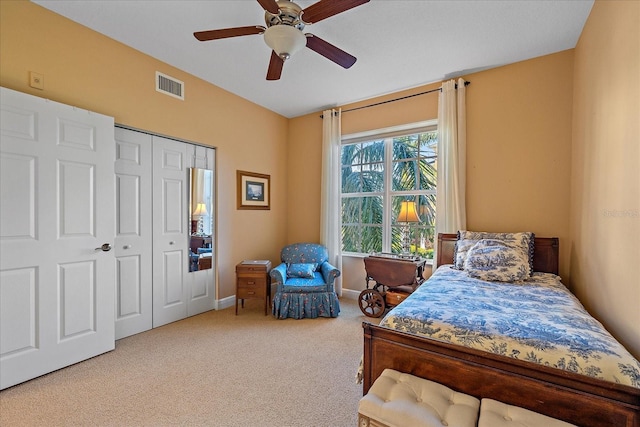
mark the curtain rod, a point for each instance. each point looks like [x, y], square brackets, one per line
[395, 99]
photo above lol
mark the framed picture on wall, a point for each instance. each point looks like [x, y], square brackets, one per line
[254, 190]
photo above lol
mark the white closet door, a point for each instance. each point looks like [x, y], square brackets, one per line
[201, 283]
[170, 233]
[133, 242]
[56, 289]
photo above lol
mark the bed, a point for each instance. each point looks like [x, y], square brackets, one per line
[584, 400]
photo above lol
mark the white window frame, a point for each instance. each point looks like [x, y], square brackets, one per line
[387, 134]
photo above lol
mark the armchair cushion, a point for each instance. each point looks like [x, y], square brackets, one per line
[299, 284]
[303, 270]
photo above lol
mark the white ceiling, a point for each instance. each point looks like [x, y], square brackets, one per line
[399, 44]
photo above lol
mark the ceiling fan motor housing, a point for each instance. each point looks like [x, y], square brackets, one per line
[284, 31]
[289, 14]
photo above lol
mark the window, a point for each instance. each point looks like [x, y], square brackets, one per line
[380, 170]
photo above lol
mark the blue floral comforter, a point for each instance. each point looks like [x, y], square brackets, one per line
[536, 320]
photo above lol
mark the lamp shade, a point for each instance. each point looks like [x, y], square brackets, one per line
[285, 40]
[201, 210]
[408, 212]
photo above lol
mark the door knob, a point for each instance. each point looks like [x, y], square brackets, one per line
[105, 247]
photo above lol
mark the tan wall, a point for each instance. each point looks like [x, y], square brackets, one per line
[86, 69]
[605, 184]
[519, 148]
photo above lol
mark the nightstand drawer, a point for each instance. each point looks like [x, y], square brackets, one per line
[251, 269]
[249, 293]
[251, 288]
[252, 282]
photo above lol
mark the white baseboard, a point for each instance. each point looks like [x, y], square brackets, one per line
[227, 302]
[350, 294]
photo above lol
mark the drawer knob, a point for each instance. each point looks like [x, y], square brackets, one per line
[251, 283]
[251, 293]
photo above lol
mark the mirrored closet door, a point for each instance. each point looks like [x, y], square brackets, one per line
[165, 244]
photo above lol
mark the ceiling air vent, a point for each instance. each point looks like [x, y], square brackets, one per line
[169, 85]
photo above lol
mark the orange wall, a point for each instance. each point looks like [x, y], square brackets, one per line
[518, 152]
[605, 180]
[86, 69]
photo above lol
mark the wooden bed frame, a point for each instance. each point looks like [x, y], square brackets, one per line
[567, 396]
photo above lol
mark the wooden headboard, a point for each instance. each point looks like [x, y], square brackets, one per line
[545, 255]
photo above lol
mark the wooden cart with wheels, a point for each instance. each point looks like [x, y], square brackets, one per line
[393, 277]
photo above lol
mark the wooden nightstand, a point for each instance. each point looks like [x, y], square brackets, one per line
[253, 282]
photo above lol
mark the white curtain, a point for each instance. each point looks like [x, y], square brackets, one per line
[452, 140]
[330, 221]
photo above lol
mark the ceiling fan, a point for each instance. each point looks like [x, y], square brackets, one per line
[285, 21]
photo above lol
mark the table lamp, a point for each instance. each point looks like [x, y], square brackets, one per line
[408, 213]
[200, 212]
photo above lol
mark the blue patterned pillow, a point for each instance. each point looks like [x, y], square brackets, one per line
[304, 271]
[466, 240]
[497, 261]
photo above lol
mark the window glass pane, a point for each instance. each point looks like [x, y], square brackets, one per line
[372, 151]
[351, 238]
[422, 241]
[362, 167]
[428, 176]
[427, 209]
[428, 144]
[371, 210]
[428, 156]
[351, 179]
[396, 238]
[361, 239]
[362, 210]
[406, 175]
[351, 210]
[371, 239]
[373, 178]
[405, 147]
[362, 224]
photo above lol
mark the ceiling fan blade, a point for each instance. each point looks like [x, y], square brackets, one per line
[228, 32]
[326, 8]
[329, 51]
[275, 67]
[270, 6]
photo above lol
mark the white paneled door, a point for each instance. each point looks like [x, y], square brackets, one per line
[170, 233]
[133, 242]
[57, 271]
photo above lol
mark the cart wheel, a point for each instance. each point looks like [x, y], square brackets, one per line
[371, 303]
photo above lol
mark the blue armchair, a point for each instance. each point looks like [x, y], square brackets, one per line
[304, 283]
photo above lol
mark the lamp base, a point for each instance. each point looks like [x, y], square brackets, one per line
[406, 246]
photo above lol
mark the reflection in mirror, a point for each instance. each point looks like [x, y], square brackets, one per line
[201, 219]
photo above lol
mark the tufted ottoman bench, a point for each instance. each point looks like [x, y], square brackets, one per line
[498, 414]
[400, 400]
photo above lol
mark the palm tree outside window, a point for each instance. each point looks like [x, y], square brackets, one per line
[378, 172]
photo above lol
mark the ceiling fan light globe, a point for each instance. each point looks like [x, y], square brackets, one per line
[284, 40]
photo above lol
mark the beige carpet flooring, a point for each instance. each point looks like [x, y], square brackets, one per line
[214, 369]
